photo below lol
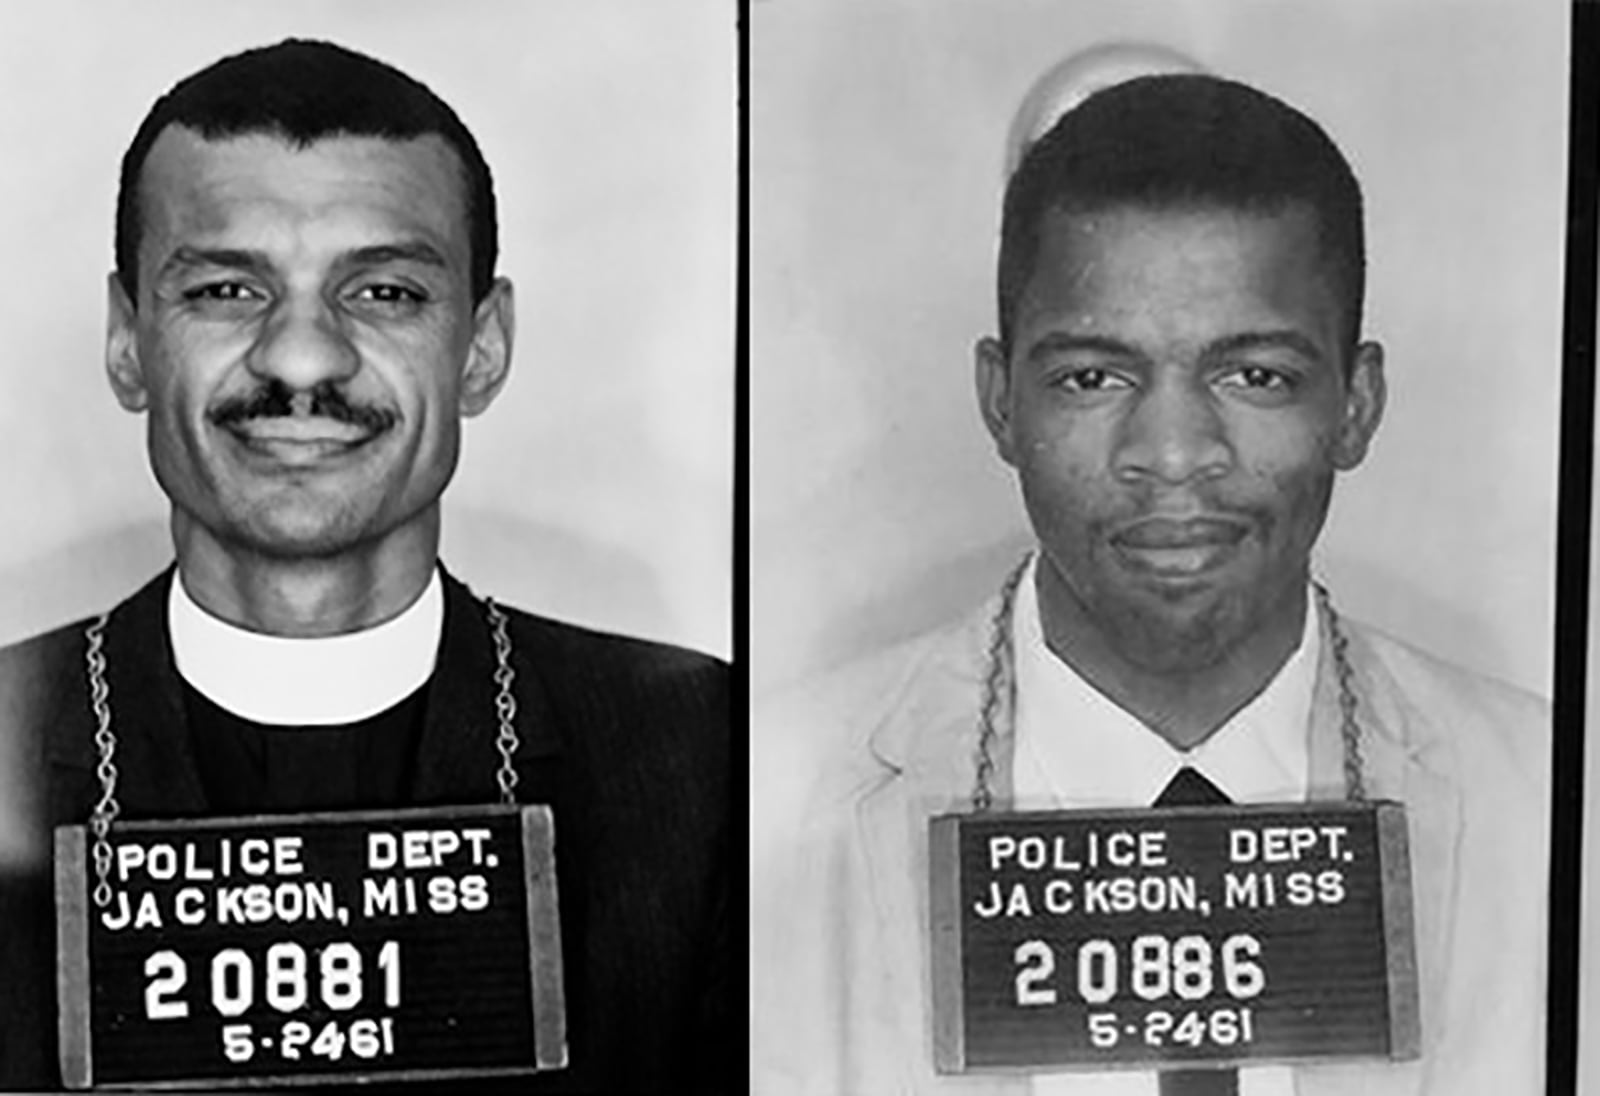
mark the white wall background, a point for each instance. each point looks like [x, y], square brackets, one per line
[877, 134]
[599, 487]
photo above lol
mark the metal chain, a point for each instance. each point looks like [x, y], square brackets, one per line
[1355, 785]
[106, 810]
[999, 681]
[105, 740]
[505, 703]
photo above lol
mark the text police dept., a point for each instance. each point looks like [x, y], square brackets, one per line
[1306, 846]
[277, 893]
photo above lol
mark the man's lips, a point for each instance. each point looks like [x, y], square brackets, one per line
[1180, 532]
[298, 439]
[1179, 546]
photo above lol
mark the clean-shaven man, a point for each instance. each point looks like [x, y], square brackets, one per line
[1178, 378]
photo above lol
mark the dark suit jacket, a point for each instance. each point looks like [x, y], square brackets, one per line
[627, 740]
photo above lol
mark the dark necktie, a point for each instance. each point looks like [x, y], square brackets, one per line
[1190, 789]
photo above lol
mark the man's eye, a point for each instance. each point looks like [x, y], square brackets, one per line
[1258, 377]
[220, 291]
[389, 293]
[1091, 380]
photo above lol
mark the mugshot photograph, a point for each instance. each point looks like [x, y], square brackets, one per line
[346, 739]
[1151, 648]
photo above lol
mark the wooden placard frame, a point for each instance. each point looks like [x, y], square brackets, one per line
[949, 1022]
[545, 969]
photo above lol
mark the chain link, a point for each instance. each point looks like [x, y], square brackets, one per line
[1000, 690]
[505, 703]
[106, 810]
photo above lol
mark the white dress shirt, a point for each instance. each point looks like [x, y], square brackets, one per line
[1075, 748]
[320, 681]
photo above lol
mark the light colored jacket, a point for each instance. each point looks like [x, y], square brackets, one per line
[839, 964]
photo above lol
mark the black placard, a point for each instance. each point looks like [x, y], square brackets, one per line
[1136, 938]
[251, 951]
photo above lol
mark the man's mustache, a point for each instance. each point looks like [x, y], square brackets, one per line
[274, 399]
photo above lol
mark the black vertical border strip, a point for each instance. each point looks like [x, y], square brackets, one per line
[739, 865]
[1572, 556]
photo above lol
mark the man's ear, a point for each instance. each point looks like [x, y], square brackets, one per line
[1364, 396]
[122, 348]
[494, 323]
[992, 372]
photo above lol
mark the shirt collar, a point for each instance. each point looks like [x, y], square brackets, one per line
[306, 682]
[1076, 748]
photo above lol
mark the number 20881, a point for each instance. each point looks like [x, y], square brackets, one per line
[1151, 968]
[287, 979]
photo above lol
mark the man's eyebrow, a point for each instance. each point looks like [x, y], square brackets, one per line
[1064, 342]
[186, 257]
[1280, 339]
[410, 251]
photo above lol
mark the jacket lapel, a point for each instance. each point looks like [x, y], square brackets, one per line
[156, 772]
[1404, 759]
[457, 759]
[928, 751]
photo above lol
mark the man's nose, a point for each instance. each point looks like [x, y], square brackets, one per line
[302, 345]
[1174, 432]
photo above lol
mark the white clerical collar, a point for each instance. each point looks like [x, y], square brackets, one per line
[1076, 748]
[306, 682]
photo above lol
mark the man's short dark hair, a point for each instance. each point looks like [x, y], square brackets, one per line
[303, 91]
[1183, 142]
